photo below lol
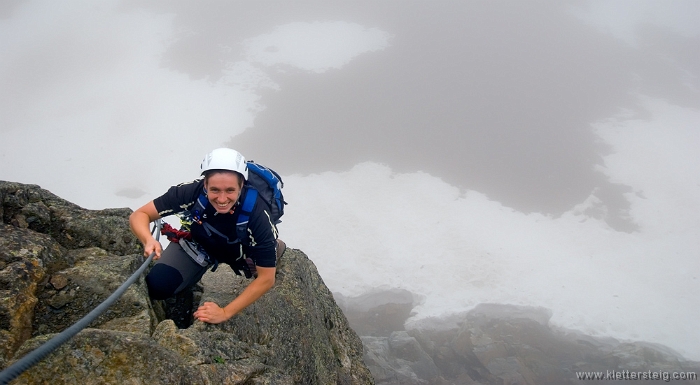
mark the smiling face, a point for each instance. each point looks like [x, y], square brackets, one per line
[223, 189]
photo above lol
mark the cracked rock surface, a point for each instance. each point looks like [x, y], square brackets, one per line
[58, 261]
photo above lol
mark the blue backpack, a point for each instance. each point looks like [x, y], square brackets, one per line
[262, 181]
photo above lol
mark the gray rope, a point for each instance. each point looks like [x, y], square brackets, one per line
[32, 358]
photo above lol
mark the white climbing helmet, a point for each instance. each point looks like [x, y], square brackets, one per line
[225, 159]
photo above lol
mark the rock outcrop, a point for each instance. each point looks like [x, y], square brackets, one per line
[497, 344]
[58, 261]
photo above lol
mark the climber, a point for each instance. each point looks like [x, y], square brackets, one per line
[226, 219]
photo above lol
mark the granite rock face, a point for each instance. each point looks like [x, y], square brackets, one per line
[58, 261]
[501, 344]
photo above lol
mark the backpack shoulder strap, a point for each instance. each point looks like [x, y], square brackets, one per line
[198, 208]
[247, 206]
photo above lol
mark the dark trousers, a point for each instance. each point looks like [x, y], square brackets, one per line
[173, 272]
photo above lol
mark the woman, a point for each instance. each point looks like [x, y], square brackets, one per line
[224, 173]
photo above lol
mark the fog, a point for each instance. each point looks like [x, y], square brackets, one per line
[529, 153]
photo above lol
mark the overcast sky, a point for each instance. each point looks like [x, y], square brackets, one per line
[568, 130]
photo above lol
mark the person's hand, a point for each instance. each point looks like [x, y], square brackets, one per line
[211, 313]
[152, 245]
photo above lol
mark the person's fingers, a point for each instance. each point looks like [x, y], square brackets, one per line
[158, 250]
[151, 247]
[210, 312]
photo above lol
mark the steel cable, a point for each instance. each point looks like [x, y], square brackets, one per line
[36, 355]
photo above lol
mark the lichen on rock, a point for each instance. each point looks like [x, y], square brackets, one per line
[58, 261]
